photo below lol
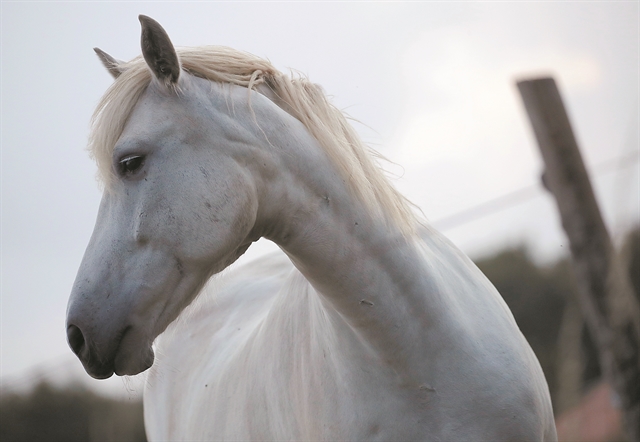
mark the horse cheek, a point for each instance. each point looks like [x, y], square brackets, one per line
[218, 221]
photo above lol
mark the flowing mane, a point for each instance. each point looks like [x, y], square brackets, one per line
[303, 99]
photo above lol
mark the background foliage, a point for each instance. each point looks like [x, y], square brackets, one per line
[71, 414]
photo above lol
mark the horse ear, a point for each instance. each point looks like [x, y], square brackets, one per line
[112, 64]
[158, 51]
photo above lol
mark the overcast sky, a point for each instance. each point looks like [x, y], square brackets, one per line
[432, 83]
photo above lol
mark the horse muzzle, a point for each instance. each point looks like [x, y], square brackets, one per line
[127, 358]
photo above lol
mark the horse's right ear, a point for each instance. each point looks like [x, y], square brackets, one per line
[158, 51]
[113, 65]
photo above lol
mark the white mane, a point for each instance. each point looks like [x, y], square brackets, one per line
[304, 100]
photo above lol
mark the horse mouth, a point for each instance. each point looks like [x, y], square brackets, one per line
[129, 358]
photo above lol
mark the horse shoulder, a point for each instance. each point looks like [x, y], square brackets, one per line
[489, 358]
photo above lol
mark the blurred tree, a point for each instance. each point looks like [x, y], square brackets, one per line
[68, 415]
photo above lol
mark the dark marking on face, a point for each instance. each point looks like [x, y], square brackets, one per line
[179, 266]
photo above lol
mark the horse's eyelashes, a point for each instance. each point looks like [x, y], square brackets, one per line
[131, 164]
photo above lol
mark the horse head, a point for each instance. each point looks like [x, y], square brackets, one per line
[178, 207]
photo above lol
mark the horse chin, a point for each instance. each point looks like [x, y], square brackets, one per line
[131, 360]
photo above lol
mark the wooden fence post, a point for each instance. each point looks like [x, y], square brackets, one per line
[606, 301]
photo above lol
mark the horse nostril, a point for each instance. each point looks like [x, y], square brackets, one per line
[76, 340]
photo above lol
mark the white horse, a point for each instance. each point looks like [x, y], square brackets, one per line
[368, 326]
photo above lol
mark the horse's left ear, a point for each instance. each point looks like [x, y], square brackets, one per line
[158, 51]
[113, 65]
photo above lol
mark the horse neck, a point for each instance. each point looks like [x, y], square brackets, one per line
[362, 265]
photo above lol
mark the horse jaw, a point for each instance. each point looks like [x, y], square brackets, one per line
[114, 324]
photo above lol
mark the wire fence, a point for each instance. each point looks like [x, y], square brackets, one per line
[527, 193]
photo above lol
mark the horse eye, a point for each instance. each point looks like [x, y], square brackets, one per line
[131, 164]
